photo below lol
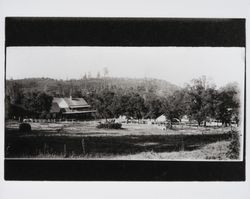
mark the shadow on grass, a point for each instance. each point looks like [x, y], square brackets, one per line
[37, 143]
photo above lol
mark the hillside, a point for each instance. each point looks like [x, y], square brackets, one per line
[76, 87]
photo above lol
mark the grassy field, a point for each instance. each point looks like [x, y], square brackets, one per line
[134, 141]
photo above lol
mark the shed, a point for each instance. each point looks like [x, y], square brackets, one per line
[161, 118]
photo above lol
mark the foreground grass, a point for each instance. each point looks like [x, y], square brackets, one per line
[134, 141]
[214, 151]
[88, 128]
[141, 146]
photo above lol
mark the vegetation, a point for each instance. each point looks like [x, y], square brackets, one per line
[134, 98]
[174, 106]
[234, 147]
[109, 125]
[45, 140]
[24, 128]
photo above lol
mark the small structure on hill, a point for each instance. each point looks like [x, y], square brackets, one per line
[71, 108]
[185, 119]
[161, 119]
[122, 119]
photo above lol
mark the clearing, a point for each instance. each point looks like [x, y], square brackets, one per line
[82, 140]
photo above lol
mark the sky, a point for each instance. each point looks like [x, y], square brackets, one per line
[178, 65]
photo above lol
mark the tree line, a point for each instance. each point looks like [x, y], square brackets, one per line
[199, 100]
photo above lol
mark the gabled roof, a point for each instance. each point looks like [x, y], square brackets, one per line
[60, 101]
[70, 102]
[161, 118]
[76, 102]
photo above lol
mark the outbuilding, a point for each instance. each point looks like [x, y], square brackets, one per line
[71, 108]
[162, 118]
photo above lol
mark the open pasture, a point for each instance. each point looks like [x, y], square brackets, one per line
[134, 141]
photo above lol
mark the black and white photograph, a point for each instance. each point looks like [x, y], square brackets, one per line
[125, 103]
[138, 99]
[124, 99]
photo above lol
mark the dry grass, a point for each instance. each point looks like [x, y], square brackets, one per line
[214, 151]
[134, 141]
[88, 128]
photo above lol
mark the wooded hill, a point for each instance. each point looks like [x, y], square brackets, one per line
[82, 87]
[136, 98]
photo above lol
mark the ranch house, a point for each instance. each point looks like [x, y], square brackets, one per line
[71, 108]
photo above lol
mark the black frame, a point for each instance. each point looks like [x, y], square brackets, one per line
[56, 31]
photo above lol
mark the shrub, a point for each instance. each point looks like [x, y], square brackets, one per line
[42, 115]
[48, 116]
[25, 128]
[109, 125]
[234, 147]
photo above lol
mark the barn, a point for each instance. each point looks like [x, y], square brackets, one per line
[71, 108]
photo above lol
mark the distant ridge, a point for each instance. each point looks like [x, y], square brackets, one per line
[65, 87]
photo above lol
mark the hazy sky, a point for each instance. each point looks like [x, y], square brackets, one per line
[177, 65]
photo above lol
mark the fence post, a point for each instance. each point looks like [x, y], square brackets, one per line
[44, 148]
[83, 147]
[182, 143]
[65, 150]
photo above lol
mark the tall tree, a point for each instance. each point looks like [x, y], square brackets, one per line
[98, 75]
[104, 104]
[37, 102]
[105, 72]
[89, 75]
[228, 104]
[44, 102]
[123, 107]
[200, 100]
[174, 107]
[15, 92]
[154, 107]
[136, 105]
[85, 76]
[8, 112]
[210, 103]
